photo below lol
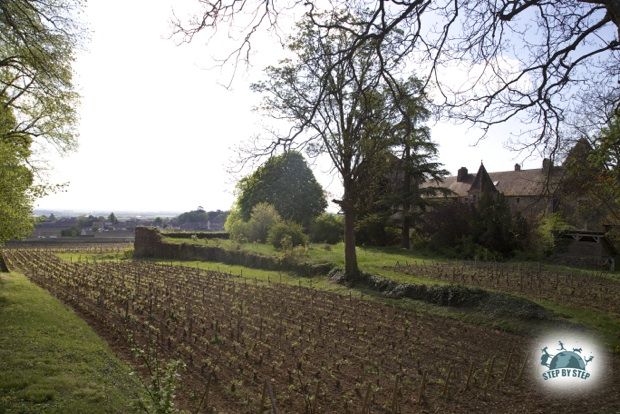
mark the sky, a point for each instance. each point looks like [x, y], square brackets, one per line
[159, 130]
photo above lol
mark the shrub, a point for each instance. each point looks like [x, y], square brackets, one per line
[239, 231]
[286, 235]
[263, 217]
[233, 217]
[544, 239]
[327, 228]
[372, 230]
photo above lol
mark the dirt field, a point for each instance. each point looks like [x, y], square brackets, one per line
[253, 347]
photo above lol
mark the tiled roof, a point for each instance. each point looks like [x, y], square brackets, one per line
[532, 182]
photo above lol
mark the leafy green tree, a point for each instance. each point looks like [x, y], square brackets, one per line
[37, 43]
[263, 217]
[333, 101]
[326, 228]
[287, 234]
[37, 40]
[16, 194]
[590, 188]
[392, 184]
[492, 225]
[193, 217]
[112, 218]
[286, 182]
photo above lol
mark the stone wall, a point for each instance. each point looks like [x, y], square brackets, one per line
[149, 244]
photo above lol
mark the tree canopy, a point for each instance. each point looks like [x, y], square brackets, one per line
[38, 101]
[334, 106]
[193, 217]
[16, 180]
[543, 63]
[286, 182]
[37, 43]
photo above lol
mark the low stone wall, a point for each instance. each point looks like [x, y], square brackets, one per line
[149, 244]
[198, 235]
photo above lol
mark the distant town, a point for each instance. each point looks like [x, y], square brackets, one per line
[51, 224]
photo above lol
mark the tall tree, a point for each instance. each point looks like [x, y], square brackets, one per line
[529, 60]
[286, 182]
[37, 42]
[16, 180]
[416, 153]
[334, 106]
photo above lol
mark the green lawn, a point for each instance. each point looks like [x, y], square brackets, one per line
[51, 361]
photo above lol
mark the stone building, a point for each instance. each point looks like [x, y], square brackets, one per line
[533, 193]
[528, 192]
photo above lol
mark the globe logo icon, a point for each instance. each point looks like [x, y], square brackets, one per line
[567, 359]
[566, 363]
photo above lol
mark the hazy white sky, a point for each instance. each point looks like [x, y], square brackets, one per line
[158, 129]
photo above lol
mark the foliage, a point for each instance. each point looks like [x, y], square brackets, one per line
[73, 231]
[286, 182]
[372, 230]
[287, 234]
[485, 231]
[234, 216]
[37, 39]
[17, 192]
[335, 104]
[544, 241]
[492, 225]
[37, 43]
[326, 228]
[193, 217]
[591, 185]
[262, 218]
[162, 381]
[112, 218]
[446, 224]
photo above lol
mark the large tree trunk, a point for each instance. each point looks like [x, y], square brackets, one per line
[406, 195]
[350, 255]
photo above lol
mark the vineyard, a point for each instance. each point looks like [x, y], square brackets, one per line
[267, 347]
[576, 288]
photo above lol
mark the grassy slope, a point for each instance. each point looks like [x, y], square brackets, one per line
[51, 361]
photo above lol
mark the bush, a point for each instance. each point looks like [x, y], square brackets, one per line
[263, 217]
[286, 235]
[544, 241]
[327, 228]
[372, 230]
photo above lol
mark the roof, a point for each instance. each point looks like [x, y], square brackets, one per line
[534, 182]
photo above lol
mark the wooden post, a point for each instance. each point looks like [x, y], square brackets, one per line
[489, 371]
[469, 375]
[272, 397]
[422, 388]
[446, 384]
[523, 366]
[261, 407]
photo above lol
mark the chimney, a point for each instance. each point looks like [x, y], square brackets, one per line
[517, 167]
[461, 175]
[547, 165]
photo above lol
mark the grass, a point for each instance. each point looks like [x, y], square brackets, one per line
[51, 361]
